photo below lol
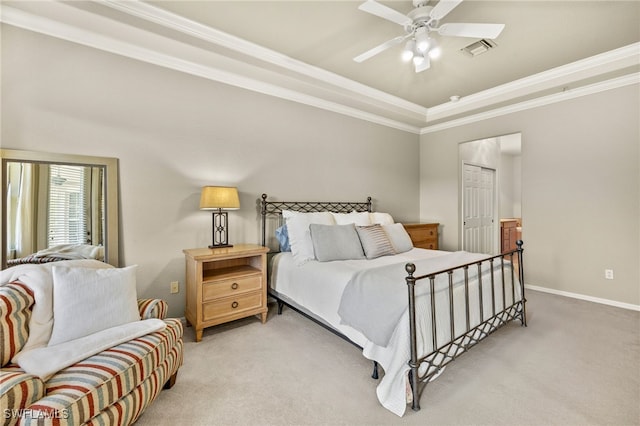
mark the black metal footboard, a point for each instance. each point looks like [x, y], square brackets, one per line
[426, 367]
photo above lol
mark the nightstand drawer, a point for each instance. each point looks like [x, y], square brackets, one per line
[422, 234]
[231, 305]
[229, 287]
[430, 245]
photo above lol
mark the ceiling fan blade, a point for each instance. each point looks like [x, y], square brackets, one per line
[385, 12]
[424, 65]
[443, 7]
[380, 48]
[490, 31]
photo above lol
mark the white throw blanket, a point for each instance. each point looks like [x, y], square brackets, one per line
[73, 251]
[374, 299]
[47, 360]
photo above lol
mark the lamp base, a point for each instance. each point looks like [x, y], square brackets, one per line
[213, 246]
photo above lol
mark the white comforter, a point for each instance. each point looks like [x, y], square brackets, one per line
[318, 287]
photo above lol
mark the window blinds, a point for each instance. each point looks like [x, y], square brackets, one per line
[69, 204]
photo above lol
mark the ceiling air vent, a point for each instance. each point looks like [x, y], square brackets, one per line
[479, 47]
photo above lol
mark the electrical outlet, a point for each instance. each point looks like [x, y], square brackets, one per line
[608, 274]
[175, 287]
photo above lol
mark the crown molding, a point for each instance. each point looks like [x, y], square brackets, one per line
[203, 32]
[613, 60]
[109, 43]
[265, 71]
[565, 95]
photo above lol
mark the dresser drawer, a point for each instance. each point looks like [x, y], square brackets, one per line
[229, 287]
[430, 245]
[231, 305]
[424, 234]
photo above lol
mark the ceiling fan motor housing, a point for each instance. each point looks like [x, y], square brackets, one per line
[421, 17]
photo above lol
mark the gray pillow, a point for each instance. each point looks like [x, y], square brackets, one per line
[400, 239]
[335, 242]
[375, 241]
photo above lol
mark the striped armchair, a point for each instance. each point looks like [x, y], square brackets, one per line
[112, 387]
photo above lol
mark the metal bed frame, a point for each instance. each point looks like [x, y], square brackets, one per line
[444, 352]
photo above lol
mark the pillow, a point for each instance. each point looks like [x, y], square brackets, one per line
[282, 235]
[381, 218]
[87, 300]
[374, 241]
[15, 312]
[299, 234]
[335, 242]
[357, 218]
[400, 239]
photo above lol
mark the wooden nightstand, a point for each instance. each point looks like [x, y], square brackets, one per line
[225, 284]
[423, 235]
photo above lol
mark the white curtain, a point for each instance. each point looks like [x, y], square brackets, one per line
[21, 215]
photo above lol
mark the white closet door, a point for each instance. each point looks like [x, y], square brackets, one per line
[478, 202]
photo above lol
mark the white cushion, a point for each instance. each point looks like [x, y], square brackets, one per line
[399, 237]
[381, 218]
[87, 300]
[300, 235]
[357, 218]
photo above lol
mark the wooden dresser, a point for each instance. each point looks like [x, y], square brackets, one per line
[225, 284]
[508, 234]
[423, 235]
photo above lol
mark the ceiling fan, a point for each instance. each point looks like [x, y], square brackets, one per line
[418, 25]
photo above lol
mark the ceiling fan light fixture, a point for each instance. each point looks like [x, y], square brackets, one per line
[434, 51]
[422, 39]
[407, 52]
[418, 58]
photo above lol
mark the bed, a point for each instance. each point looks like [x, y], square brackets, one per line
[61, 252]
[411, 310]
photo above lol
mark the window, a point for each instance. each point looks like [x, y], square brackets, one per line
[68, 205]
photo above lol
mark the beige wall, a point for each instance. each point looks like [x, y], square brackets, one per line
[174, 133]
[580, 190]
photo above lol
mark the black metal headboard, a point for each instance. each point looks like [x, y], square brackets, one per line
[275, 208]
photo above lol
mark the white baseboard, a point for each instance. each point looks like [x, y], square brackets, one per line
[583, 297]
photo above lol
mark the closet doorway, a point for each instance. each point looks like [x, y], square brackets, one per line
[490, 193]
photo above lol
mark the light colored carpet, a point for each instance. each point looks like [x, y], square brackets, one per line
[577, 363]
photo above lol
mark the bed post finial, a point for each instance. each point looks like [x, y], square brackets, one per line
[410, 268]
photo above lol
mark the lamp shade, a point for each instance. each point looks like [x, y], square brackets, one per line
[219, 197]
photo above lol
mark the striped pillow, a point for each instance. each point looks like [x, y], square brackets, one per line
[15, 308]
[375, 241]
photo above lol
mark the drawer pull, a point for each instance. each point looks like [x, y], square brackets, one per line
[234, 286]
[234, 305]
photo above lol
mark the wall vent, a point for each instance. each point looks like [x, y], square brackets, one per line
[479, 47]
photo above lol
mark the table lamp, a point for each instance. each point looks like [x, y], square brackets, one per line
[217, 198]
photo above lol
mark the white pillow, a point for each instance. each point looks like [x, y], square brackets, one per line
[381, 218]
[357, 218]
[300, 235]
[399, 237]
[88, 300]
